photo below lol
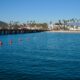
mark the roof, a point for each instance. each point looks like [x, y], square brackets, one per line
[74, 24]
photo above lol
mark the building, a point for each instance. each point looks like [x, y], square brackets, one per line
[50, 26]
[73, 26]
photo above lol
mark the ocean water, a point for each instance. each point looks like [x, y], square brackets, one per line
[40, 56]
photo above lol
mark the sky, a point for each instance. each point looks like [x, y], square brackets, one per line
[38, 10]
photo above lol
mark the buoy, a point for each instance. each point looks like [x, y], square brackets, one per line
[10, 42]
[1, 43]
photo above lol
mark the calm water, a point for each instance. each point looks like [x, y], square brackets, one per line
[40, 56]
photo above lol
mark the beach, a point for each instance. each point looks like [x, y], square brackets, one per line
[65, 31]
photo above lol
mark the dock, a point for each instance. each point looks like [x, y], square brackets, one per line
[18, 31]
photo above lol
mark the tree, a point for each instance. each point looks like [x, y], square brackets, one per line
[16, 25]
[65, 23]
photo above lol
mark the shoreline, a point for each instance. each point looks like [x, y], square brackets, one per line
[63, 31]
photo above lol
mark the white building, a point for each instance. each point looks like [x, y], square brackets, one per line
[74, 26]
[50, 26]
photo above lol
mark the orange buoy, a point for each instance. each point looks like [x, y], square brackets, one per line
[1, 43]
[10, 42]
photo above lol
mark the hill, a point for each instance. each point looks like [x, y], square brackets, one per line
[3, 25]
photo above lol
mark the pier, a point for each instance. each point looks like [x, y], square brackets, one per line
[18, 31]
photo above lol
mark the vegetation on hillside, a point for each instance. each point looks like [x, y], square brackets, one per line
[3, 25]
[17, 25]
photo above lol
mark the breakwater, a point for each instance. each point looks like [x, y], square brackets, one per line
[18, 31]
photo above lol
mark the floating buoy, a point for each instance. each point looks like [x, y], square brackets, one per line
[10, 42]
[1, 43]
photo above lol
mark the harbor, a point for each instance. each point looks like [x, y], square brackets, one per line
[39, 39]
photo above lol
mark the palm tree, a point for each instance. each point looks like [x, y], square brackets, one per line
[64, 23]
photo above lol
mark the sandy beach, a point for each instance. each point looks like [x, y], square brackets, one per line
[63, 31]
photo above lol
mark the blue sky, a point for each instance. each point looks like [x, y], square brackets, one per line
[38, 10]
